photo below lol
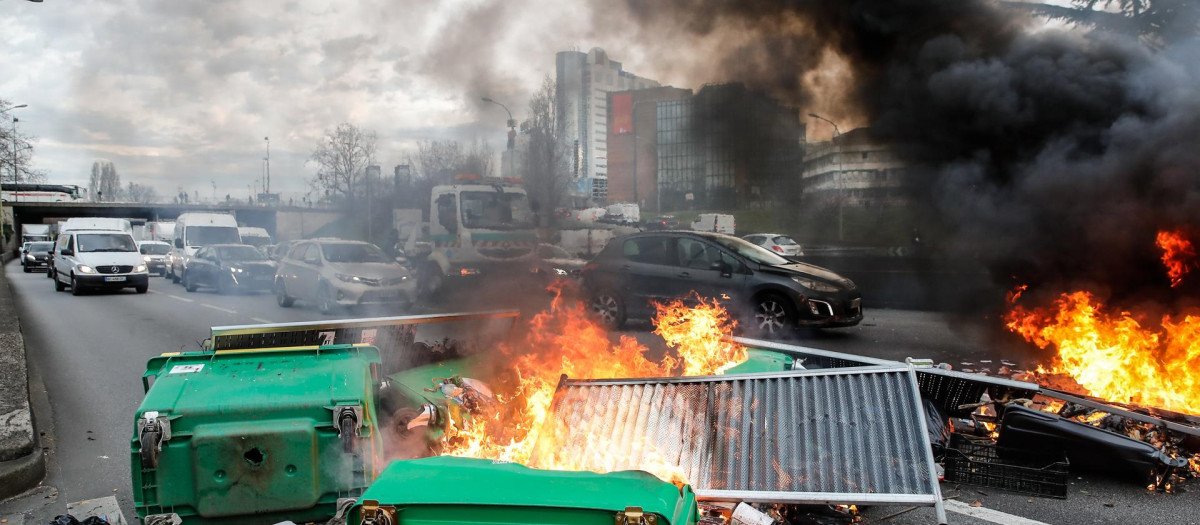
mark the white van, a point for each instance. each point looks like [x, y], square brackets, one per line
[715, 222]
[96, 223]
[256, 237]
[91, 258]
[196, 230]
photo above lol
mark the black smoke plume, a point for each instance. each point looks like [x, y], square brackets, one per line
[1055, 153]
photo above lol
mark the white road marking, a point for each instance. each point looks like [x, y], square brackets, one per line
[987, 514]
[261, 320]
[226, 310]
[184, 299]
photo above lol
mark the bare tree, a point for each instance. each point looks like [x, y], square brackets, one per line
[546, 166]
[341, 158]
[18, 167]
[140, 193]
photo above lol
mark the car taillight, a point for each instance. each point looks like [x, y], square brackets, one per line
[590, 266]
[777, 248]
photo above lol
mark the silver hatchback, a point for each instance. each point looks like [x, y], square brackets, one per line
[336, 273]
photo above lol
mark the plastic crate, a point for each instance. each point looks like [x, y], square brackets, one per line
[982, 463]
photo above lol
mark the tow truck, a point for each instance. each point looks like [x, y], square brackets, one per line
[479, 227]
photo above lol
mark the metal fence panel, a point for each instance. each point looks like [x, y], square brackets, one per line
[850, 435]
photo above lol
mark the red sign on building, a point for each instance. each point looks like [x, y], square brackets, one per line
[622, 112]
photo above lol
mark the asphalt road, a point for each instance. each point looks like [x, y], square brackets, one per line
[87, 354]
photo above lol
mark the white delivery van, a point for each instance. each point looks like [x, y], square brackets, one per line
[196, 230]
[89, 257]
[256, 237]
[715, 222]
[96, 223]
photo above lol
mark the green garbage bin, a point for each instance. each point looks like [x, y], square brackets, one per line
[257, 436]
[445, 490]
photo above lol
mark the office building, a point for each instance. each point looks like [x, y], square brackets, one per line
[584, 81]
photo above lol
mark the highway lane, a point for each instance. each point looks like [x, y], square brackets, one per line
[88, 353]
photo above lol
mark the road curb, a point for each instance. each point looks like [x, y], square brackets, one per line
[22, 463]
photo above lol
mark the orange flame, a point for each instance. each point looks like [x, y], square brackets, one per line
[1115, 357]
[565, 340]
[1179, 256]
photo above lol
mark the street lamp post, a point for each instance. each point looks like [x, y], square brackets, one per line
[14, 158]
[840, 175]
[268, 159]
[512, 135]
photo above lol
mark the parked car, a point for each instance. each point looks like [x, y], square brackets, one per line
[229, 268]
[85, 259]
[36, 255]
[781, 244]
[714, 222]
[335, 273]
[155, 254]
[770, 293]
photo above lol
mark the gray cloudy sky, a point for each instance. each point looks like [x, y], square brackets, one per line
[179, 93]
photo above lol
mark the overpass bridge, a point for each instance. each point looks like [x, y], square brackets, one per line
[283, 222]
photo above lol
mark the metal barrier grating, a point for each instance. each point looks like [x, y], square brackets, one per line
[852, 436]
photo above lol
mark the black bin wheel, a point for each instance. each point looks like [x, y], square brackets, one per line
[346, 426]
[149, 448]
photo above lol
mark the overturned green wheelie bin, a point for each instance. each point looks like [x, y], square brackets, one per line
[255, 436]
[445, 490]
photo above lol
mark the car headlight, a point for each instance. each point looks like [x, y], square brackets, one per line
[815, 285]
[139, 268]
[146, 258]
[30, 257]
[468, 271]
[348, 278]
[83, 268]
[235, 269]
[559, 271]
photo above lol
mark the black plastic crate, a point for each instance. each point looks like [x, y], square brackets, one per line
[980, 462]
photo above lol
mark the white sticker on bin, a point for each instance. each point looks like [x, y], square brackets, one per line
[186, 369]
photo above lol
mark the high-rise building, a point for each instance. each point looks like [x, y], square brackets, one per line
[584, 81]
[726, 147]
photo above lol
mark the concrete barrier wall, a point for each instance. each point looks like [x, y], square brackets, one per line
[22, 464]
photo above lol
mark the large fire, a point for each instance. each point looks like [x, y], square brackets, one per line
[1179, 256]
[565, 340]
[1120, 356]
[1116, 356]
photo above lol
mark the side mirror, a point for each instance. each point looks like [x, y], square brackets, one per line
[315, 261]
[66, 252]
[179, 243]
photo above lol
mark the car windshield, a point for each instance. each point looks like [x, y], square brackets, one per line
[208, 235]
[495, 210]
[750, 251]
[784, 240]
[155, 249]
[105, 242]
[40, 247]
[354, 253]
[239, 253]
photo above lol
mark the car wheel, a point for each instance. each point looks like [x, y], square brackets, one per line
[325, 299]
[223, 286]
[282, 296]
[25, 269]
[58, 285]
[141, 289]
[187, 283]
[774, 315]
[49, 272]
[75, 288]
[174, 276]
[609, 308]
